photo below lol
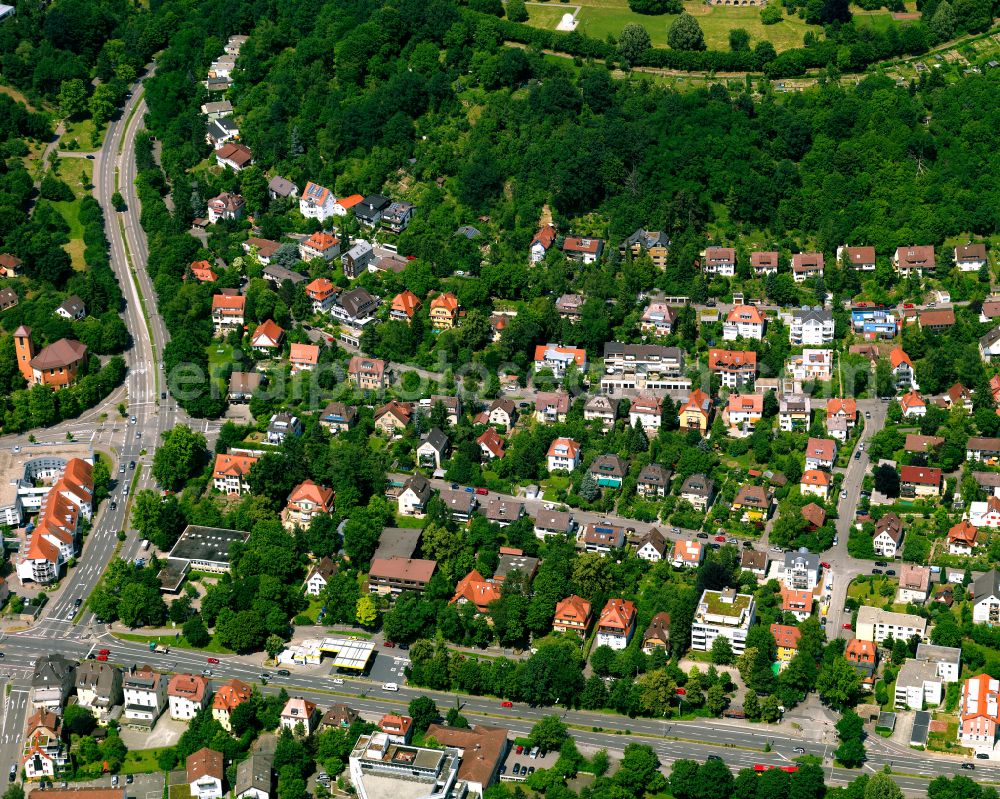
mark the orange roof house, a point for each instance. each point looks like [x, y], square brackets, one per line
[303, 357]
[202, 272]
[476, 589]
[694, 413]
[404, 306]
[267, 336]
[228, 697]
[572, 615]
[444, 311]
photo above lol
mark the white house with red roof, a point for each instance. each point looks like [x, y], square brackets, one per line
[743, 321]
[815, 482]
[616, 624]
[268, 336]
[984, 514]
[647, 411]
[688, 554]
[563, 455]
[320, 245]
[558, 359]
[323, 294]
[541, 243]
[913, 405]
[230, 474]
[902, 369]
[572, 615]
[821, 453]
[303, 357]
[306, 500]
[491, 444]
[316, 202]
[979, 713]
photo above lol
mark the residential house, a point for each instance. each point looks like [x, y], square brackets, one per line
[754, 561]
[368, 374]
[815, 482]
[568, 306]
[735, 367]
[979, 714]
[989, 345]
[44, 754]
[602, 537]
[888, 535]
[936, 320]
[52, 682]
[552, 522]
[551, 406]
[502, 413]
[786, 638]
[338, 717]
[971, 257]
[806, 265]
[652, 242]
[145, 696]
[917, 685]
[393, 417]
[491, 445]
[396, 728]
[922, 445]
[319, 576]
[958, 396]
[800, 571]
[874, 322]
[742, 413]
[914, 584]
[227, 312]
[963, 538]
[10, 265]
[810, 364]
[651, 546]
[875, 624]
[358, 259]
[187, 694]
[72, 308]
[234, 156]
[306, 501]
[255, 777]
[205, 772]
[603, 408]
[316, 202]
[616, 624]
[8, 299]
[860, 258]
[988, 482]
[985, 514]
[919, 481]
[986, 598]
[99, 688]
[433, 448]
[202, 272]
[476, 590]
[794, 412]
[821, 453]
[796, 602]
[444, 311]
[459, 504]
[696, 412]
[722, 613]
[902, 369]
[558, 359]
[346, 205]
[719, 261]
[320, 245]
[764, 263]
[583, 250]
[541, 243]
[657, 635]
[503, 511]
[370, 210]
[813, 514]
[279, 188]
[698, 490]
[268, 338]
[281, 426]
[743, 321]
[572, 615]
[841, 417]
[563, 455]
[404, 306]
[355, 308]
[811, 327]
[647, 411]
[396, 218]
[914, 260]
[303, 357]
[608, 471]
[688, 554]
[658, 319]
[863, 655]
[412, 500]
[913, 405]
[299, 711]
[986, 450]
[653, 481]
[338, 417]
[753, 503]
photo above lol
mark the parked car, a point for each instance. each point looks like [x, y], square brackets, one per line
[876, 571]
[388, 644]
[881, 563]
[890, 572]
[702, 535]
[846, 625]
[824, 564]
[338, 681]
[482, 491]
[720, 538]
[517, 769]
[519, 749]
[390, 686]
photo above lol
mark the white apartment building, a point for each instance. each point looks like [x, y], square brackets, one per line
[875, 624]
[723, 613]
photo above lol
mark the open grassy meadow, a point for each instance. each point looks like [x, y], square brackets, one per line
[599, 18]
[77, 173]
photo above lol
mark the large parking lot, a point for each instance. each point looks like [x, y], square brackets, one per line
[524, 762]
[387, 666]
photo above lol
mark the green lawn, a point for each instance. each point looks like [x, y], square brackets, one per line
[174, 643]
[77, 173]
[409, 521]
[142, 761]
[80, 131]
[220, 355]
[599, 18]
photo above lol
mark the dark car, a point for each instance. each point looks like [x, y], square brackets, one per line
[881, 563]
[876, 571]
[890, 572]
[89, 157]
[702, 535]
[284, 673]
[516, 769]
[982, 756]
[129, 779]
[969, 766]
[163, 395]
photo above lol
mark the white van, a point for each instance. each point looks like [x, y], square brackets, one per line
[145, 544]
[390, 686]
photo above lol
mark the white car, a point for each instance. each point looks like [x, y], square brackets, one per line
[549, 506]
[843, 494]
[861, 447]
[338, 681]
[390, 686]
